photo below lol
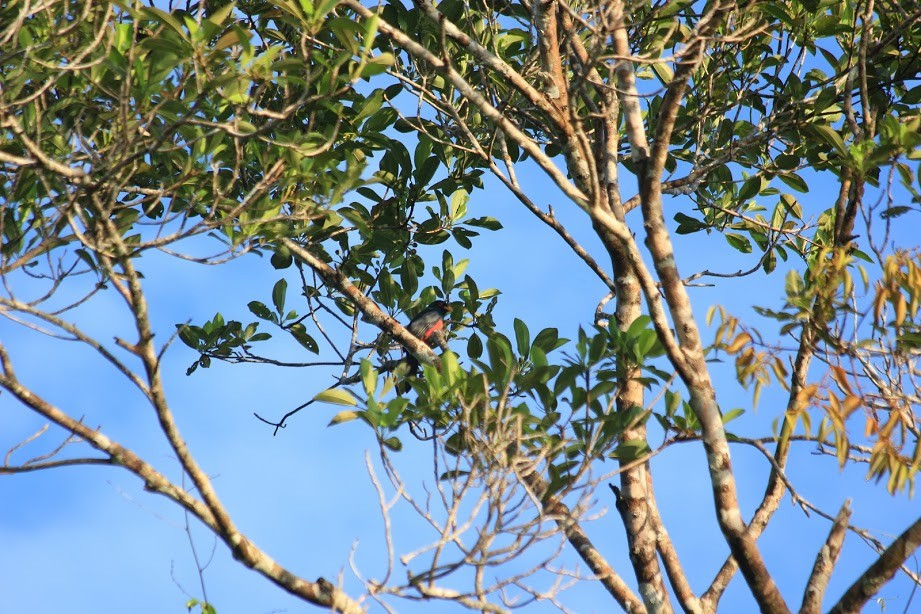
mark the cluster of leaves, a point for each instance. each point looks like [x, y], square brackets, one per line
[868, 334]
[218, 339]
[742, 144]
[223, 133]
[754, 362]
[233, 341]
[563, 410]
[773, 121]
[404, 208]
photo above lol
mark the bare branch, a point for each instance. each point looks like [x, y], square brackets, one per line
[825, 562]
[881, 571]
[562, 515]
[320, 592]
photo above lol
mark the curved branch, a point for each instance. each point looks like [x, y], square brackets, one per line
[77, 334]
[320, 592]
[68, 462]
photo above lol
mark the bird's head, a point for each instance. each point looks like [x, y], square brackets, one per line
[441, 306]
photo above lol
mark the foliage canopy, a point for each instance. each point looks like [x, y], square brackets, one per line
[350, 145]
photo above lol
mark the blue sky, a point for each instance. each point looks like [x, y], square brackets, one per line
[86, 539]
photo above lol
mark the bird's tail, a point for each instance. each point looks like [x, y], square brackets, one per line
[409, 367]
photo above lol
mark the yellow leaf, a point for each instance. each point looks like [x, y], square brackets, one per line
[834, 407]
[780, 372]
[840, 378]
[739, 342]
[336, 397]
[879, 302]
[900, 309]
[851, 403]
[710, 311]
[344, 416]
[870, 426]
[841, 448]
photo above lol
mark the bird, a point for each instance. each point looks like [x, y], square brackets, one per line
[424, 326]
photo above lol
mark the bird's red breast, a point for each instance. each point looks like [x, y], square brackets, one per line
[429, 321]
[431, 330]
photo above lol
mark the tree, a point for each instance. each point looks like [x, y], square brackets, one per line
[347, 141]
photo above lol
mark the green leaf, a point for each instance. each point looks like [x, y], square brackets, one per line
[219, 16]
[450, 368]
[188, 336]
[279, 292]
[663, 72]
[794, 284]
[368, 376]
[261, 311]
[548, 340]
[474, 347]
[282, 258]
[336, 396]
[453, 474]
[787, 162]
[794, 181]
[637, 327]
[770, 262]
[500, 357]
[687, 224]
[393, 443]
[409, 277]
[645, 343]
[424, 173]
[299, 332]
[830, 136]
[522, 337]
[377, 65]
[750, 188]
[631, 450]
[489, 223]
[319, 9]
[459, 204]
[164, 17]
[738, 242]
[672, 402]
[894, 211]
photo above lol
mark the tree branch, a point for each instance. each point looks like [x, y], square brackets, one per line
[494, 62]
[881, 571]
[691, 362]
[320, 592]
[336, 279]
[472, 94]
[562, 515]
[825, 562]
[676, 575]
